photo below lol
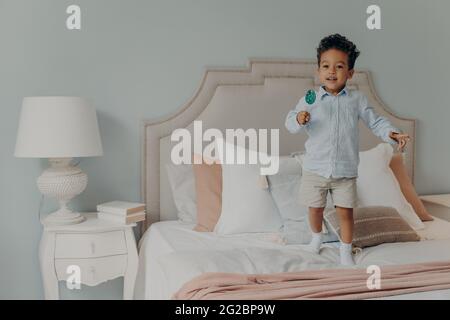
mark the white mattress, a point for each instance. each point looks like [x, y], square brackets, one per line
[171, 253]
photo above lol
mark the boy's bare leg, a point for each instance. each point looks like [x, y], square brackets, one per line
[346, 223]
[315, 221]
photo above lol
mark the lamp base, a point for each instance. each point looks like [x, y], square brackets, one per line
[62, 181]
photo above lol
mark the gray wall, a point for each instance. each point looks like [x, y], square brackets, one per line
[142, 59]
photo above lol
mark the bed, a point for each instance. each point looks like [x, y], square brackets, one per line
[171, 253]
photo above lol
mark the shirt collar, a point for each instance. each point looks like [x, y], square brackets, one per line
[323, 92]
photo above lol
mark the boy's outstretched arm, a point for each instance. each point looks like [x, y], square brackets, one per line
[292, 121]
[381, 126]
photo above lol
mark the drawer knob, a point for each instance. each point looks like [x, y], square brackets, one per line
[92, 247]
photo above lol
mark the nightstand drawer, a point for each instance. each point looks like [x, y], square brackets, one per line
[85, 245]
[93, 271]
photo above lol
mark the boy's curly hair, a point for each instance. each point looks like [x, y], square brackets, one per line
[336, 41]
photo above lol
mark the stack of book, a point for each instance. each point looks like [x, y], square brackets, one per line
[121, 211]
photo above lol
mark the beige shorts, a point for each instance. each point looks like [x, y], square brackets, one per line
[314, 190]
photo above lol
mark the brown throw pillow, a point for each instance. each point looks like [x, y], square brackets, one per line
[373, 226]
[208, 187]
[398, 168]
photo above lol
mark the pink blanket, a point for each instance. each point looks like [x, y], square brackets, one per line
[319, 284]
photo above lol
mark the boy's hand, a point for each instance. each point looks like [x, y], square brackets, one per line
[303, 117]
[401, 138]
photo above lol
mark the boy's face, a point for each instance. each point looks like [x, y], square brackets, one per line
[334, 70]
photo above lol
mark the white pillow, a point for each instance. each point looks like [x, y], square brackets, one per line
[246, 207]
[182, 183]
[284, 188]
[377, 185]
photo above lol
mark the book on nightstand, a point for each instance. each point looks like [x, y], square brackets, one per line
[123, 208]
[126, 219]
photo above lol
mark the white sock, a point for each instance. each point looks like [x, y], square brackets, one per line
[316, 241]
[345, 252]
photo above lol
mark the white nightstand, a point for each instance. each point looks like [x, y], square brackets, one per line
[438, 205]
[102, 250]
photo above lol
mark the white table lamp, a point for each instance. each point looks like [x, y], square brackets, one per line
[59, 128]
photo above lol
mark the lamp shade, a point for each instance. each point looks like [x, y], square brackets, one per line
[57, 127]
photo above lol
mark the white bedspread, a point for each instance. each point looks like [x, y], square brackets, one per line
[172, 254]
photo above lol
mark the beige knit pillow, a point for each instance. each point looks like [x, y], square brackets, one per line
[374, 225]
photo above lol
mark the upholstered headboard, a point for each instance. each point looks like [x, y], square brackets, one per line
[258, 96]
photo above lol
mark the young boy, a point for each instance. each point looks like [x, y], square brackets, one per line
[330, 118]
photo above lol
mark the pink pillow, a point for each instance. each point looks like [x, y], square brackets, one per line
[208, 187]
[399, 170]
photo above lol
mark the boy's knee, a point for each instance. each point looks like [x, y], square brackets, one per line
[345, 213]
[316, 210]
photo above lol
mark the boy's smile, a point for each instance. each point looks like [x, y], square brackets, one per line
[334, 70]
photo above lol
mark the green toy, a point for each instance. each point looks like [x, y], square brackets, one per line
[310, 97]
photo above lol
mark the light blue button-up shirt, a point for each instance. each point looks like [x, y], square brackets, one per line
[332, 148]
